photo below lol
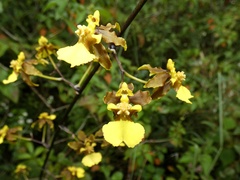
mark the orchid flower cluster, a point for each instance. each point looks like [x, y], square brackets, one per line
[92, 47]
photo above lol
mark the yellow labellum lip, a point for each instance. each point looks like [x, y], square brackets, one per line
[11, 78]
[128, 132]
[75, 55]
[92, 159]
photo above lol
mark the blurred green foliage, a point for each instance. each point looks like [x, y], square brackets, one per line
[198, 141]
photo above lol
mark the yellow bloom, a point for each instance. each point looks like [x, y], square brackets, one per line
[44, 49]
[25, 68]
[10, 134]
[17, 67]
[80, 53]
[123, 130]
[127, 132]
[124, 110]
[92, 159]
[44, 118]
[21, 168]
[76, 171]
[3, 133]
[176, 78]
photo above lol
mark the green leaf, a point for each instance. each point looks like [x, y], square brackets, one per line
[229, 123]
[23, 156]
[30, 147]
[38, 151]
[117, 176]
[237, 148]
[3, 45]
[227, 156]
[205, 161]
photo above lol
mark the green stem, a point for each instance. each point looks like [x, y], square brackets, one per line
[85, 75]
[54, 65]
[49, 77]
[24, 138]
[134, 78]
[44, 134]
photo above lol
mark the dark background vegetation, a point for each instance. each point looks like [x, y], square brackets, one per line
[198, 141]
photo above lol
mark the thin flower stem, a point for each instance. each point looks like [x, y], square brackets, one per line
[59, 72]
[31, 139]
[85, 75]
[49, 77]
[123, 72]
[54, 65]
[23, 138]
[42, 98]
[134, 78]
[44, 134]
[118, 62]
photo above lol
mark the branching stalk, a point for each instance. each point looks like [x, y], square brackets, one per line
[59, 72]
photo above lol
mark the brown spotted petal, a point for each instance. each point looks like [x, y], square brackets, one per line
[152, 71]
[29, 69]
[141, 97]
[26, 79]
[158, 80]
[81, 136]
[161, 91]
[111, 98]
[110, 36]
[75, 145]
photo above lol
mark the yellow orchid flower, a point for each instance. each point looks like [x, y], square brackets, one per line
[25, 68]
[44, 118]
[44, 50]
[21, 169]
[79, 53]
[176, 78]
[10, 134]
[17, 67]
[76, 171]
[89, 47]
[92, 159]
[85, 144]
[123, 130]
